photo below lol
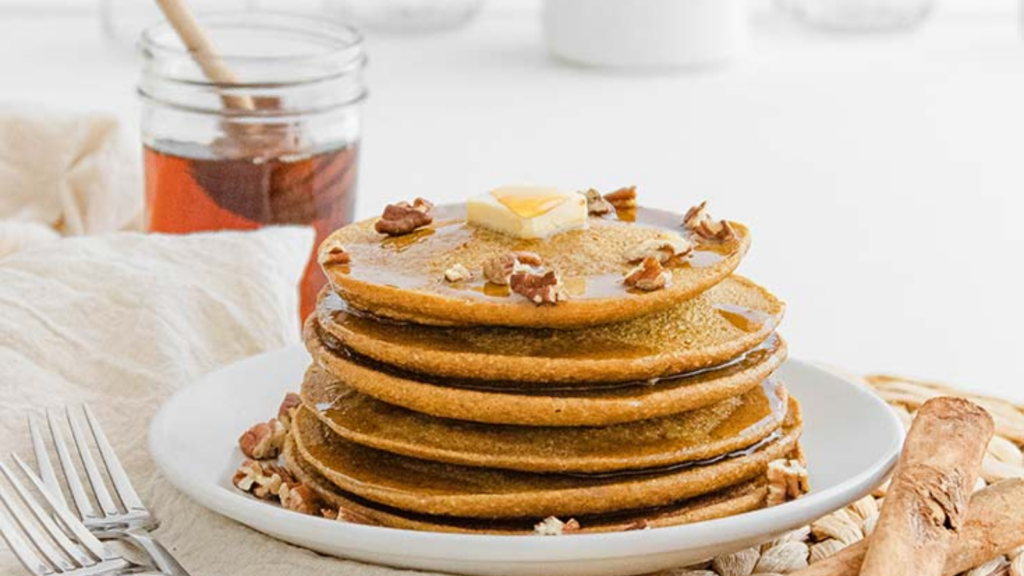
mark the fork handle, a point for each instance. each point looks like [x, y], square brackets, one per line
[161, 556]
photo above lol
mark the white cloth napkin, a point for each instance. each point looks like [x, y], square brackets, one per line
[65, 174]
[124, 320]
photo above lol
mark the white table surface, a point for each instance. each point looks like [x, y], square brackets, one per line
[883, 176]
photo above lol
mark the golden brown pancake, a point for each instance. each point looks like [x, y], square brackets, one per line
[450, 490]
[546, 404]
[711, 329]
[743, 497]
[403, 277]
[730, 425]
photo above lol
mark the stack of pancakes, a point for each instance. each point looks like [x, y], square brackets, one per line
[461, 406]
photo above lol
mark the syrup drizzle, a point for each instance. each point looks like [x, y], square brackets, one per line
[767, 408]
[752, 449]
[450, 229]
[746, 360]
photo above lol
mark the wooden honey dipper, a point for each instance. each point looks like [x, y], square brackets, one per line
[199, 45]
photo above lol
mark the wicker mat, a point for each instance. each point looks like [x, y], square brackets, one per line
[838, 530]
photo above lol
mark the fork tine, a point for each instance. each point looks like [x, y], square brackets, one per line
[21, 549]
[92, 472]
[65, 543]
[122, 484]
[32, 531]
[77, 529]
[43, 462]
[78, 495]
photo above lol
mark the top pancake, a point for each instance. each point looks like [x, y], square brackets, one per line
[402, 277]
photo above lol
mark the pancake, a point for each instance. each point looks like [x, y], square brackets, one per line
[727, 426]
[403, 277]
[450, 490]
[549, 404]
[711, 329]
[743, 497]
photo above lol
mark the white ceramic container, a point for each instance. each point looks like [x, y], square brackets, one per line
[646, 34]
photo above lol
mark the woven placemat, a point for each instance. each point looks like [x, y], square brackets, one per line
[832, 533]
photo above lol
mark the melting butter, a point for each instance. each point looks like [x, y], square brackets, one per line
[528, 211]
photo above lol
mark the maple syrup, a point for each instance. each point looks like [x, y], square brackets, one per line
[190, 190]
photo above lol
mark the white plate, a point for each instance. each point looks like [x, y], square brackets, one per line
[851, 438]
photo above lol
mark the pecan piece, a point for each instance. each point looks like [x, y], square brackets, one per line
[641, 524]
[623, 198]
[596, 204]
[299, 498]
[261, 480]
[246, 475]
[286, 411]
[538, 288]
[264, 440]
[787, 480]
[402, 218]
[355, 517]
[700, 223]
[335, 256]
[662, 249]
[499, 270]
[648, 276]
[552, 526]
[528, 258]
[458, 273]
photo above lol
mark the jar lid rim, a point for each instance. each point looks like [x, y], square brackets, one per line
[348, 40]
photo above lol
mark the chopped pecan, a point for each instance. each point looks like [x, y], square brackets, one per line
[552, 526]
[286, 411]
[264, 440]
[284, 473]
[458, 273]
[538, 288]
[638, 525]
[355, 517]
[596, 204]
[787, 480]
[662, 249]
[274, 479]
[246, 475]
[648, 276]
[402, 218]
[261, 480]
[336, 255]
[528, 258]
[499, 270]
[700, 223]
[623, 198]
[299, 498]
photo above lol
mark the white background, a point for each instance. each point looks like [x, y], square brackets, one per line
[883, 175]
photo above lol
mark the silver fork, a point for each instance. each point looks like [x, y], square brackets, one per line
[130, 522]
[57, 544]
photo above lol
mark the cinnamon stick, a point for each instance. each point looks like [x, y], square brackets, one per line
[994, 526]
[927, 500]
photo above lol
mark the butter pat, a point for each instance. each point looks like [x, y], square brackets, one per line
[528, 211]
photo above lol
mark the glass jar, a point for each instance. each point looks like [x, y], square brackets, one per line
[859, 15]
[406, 16]
[277, 145]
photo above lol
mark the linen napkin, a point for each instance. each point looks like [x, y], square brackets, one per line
[64, 174]
[121, 322]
